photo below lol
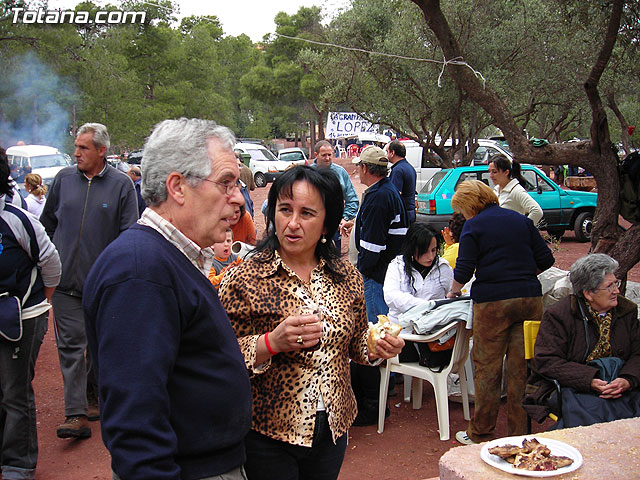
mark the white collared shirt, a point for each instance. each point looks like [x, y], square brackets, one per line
[202, 258]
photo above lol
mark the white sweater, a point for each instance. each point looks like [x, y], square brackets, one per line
[35, 204]
[514, 197]
[400, 297]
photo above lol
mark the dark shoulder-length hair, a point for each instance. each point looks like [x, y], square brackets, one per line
[416, 243]
[327, 184]
[503, 164]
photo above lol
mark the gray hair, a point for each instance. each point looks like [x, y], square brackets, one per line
[377, 170]
[588, 272]
[179, 146]
[100, 134]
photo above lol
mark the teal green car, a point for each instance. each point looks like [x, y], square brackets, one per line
[563, 209]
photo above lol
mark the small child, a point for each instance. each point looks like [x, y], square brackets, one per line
[451, 235]
[223, 259]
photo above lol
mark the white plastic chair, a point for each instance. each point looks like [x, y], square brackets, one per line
[438, 380]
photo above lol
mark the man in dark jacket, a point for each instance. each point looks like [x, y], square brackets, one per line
[403, 176]
[175, 398]
[87, 207]
[136, 177]
[380, 228]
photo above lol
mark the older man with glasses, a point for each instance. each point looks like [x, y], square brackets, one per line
[174, 391]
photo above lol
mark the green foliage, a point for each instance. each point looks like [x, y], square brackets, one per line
[535, 53]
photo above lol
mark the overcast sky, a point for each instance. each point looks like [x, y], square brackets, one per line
[253, 17]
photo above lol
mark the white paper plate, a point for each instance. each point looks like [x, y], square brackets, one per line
[557, 448]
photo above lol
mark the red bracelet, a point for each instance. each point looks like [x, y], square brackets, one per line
[266, 342]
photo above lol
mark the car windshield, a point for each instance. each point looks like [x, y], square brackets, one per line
[505, 146]
[261, 155]
[46, 161]
[433, 182]
[291, 156]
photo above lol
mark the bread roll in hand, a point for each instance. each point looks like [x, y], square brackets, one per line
[379, 330]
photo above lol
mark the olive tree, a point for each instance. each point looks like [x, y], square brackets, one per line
[597, 155]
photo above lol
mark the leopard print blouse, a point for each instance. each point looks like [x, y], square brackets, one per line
[257, 296]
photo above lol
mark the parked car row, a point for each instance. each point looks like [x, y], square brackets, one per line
[264, 165]
[425, 169]
[563, 209]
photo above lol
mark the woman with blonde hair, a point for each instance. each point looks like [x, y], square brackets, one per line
[505, 250]
[37, 191]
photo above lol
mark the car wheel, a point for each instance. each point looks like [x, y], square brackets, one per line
[260, 179]
[556, 232]
[583, 225]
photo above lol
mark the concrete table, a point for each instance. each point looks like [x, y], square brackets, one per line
[609, 450]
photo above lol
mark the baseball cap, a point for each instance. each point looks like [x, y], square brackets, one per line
[372, 155]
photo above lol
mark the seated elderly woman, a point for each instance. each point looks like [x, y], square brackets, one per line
[578, 335]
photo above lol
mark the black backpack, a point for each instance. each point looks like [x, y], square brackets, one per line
[629, 174]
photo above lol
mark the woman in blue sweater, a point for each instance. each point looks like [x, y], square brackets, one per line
[505, 250]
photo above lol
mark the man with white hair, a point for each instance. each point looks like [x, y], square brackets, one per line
[175, 397]
[87, 207]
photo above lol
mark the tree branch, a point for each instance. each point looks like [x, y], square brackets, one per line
[600, 137]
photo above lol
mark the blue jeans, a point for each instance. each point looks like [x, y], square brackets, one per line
[17, 401]
[374, 300]
[337, 240]
[269, 459]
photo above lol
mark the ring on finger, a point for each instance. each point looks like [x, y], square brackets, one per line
[300, 340]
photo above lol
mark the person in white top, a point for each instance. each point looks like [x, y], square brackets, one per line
[418, 275]
[509, 186]
[37, 191]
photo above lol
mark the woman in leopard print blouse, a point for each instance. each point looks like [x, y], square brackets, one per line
[298, 311]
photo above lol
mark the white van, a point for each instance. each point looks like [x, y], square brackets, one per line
[425, 170]
[40, 159]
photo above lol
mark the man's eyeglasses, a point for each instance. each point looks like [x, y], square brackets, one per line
[228, 185]
[612, 287]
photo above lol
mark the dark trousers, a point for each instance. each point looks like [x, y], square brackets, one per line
[497, 331]
[365, 382]
[269, 459]
[71, 338]
[18, 431]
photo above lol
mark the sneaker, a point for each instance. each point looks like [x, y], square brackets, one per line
[462, 437]
[74, 426]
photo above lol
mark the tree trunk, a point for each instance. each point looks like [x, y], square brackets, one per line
[312, 135]
[320, 116]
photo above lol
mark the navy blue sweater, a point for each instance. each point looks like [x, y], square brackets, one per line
[381, 226]
[506, 250]
[174, 391]
[403, 176]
